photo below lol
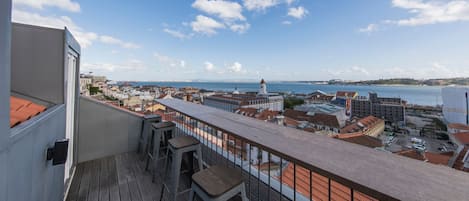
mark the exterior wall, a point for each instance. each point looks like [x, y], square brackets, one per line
[274, 103]
[37, 54]
[29, 175]
[454, 104]
[105, 130]
[388, 112]
[5, 38]
[220, 105]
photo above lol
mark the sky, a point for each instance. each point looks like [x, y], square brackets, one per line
[183, 40]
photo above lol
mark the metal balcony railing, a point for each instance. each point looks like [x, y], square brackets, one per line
[281, 163]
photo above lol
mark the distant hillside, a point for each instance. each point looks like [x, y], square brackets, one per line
[406, 81]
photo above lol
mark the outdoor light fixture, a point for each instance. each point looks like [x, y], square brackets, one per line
[58, 153]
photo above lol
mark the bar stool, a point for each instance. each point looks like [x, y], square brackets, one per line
[177, 147]
[159, 131]
[218, 183]
[146, 130]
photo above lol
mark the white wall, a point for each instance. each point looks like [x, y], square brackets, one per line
[454, 104]
[5, 38]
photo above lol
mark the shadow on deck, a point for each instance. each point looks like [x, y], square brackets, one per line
[123, 177]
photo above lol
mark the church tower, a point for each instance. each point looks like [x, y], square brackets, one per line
[263, 89]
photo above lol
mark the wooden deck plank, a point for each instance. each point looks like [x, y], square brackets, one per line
[104, 180]
[149, 190]
[85, 182]
[114, 186]
[75, 186]
[122, 178]
[93, 194]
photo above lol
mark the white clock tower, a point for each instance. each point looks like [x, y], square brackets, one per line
[263, 89]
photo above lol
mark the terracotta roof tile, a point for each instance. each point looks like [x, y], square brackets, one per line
[458, 126]
[295, 114]
[463, 137]
[411, 153]
[362, 124]
[348, 94]
[319, 187]
[459, 163]
[325, 119]
[361, 139]
[22, 110]
[438, 158]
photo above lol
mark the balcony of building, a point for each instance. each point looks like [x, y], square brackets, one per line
[277, 163]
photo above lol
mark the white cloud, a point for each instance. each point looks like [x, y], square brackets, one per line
[286, 22]
[240, 28]
[298, 12]
[114, 41]
[289, 1]
[169, 61]
[209, 66]
[177, 34]
[131, 65]
[259, 5]
[432, 12]
[84, 38]
[368, 29]
[223, 9]
[206, 25]
[351, 71]
[68, 5]
[236, 67]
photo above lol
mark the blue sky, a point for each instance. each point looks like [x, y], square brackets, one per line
[252, 39]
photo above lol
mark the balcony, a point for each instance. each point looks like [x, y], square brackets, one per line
[278, 163]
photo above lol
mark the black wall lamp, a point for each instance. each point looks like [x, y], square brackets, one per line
[58, 153]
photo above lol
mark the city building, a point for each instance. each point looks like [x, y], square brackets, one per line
[390, 109]
[324, 108]
[318, 97]
[85, 82]
[456, 104]
[81, 148]
[361, 139]
[322, 123]
[261, 100]
[370, 126]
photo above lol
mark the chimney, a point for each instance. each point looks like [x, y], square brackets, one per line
[279, 119]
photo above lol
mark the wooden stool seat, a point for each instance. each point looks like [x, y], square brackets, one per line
[164, 124]
[183, 141]
[217, 180]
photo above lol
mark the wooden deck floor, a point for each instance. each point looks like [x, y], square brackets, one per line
[123, 178]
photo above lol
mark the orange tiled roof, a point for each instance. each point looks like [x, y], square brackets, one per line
[319, 187]
[411, 153]
[267, 115]
[22, 110]
[367, 122]
[440, 159]
[348, 94]
[291, 122]
[458, 163]
[295, 114]
[458, 126]
[463, 137]
[324, 119]
[361, 139]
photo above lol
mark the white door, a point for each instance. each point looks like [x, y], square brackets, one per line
[70, 110]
